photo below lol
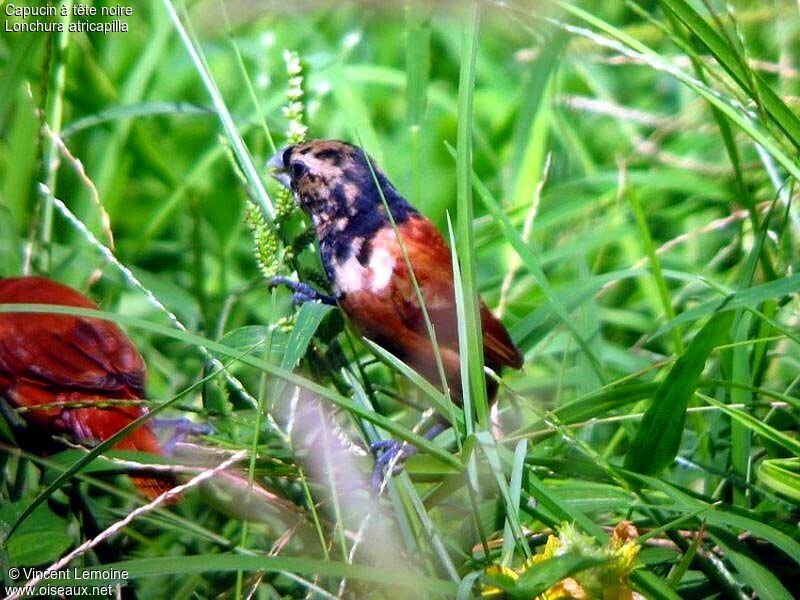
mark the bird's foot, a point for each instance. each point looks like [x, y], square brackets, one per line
[182, 428]
[302, 292]
[388, 452]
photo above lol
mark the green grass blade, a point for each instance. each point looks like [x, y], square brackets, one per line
[533, 266]
[515, 493]
[746, 298]
[443, 405]
[756, 425]
[741, 377]
[652, 586]
[243, 159]
[53, 115]
[540, 495]
[735, 113]
[782, 475]
[737, 67]
[511, 499]
[655, 265]
[750, 571]
[658, 439]
[736, 519]
[306, 323]
[469, 325]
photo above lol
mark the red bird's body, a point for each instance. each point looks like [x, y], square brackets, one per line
[54, 361]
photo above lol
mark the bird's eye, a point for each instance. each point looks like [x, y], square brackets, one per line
[298, 170]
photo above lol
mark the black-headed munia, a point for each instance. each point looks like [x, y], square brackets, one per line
[338, 189]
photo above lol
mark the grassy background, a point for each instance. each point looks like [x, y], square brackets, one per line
[629, 215]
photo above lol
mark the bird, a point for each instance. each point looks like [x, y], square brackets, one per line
[50, 359]
[363, 226]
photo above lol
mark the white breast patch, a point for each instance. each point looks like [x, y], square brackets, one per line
[381, 266]
[352, 276]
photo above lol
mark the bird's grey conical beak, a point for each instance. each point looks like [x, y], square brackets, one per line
[276, 169]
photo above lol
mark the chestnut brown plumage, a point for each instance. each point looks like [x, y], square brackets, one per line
[49, 359]
[346, 198]
[335, 185]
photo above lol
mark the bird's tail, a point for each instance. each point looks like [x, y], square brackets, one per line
[150, 486]
[101, 424]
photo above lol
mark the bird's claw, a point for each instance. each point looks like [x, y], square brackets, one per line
[300, 298]
[182, 428]
[281, 280]
[388, 452]
[381, 446]
[302, 291]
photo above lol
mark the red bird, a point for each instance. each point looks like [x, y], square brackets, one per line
[48, 359]
[338, 189]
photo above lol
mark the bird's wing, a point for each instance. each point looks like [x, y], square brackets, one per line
[431, 262]
[63, 351]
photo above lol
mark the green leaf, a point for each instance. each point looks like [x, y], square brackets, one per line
[252, 339]
[308, 320]
[42, 538]
[541, 576]
[179, 300]
[749, 570]
[603, 401]
[658, 439]
[465, 587]
[782, 475]
[245, 338]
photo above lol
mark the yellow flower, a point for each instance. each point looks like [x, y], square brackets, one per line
[608, 581]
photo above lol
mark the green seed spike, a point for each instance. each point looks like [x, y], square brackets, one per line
[267, 248]
[284, 206]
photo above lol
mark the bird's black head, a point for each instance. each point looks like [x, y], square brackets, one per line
[334, 183]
